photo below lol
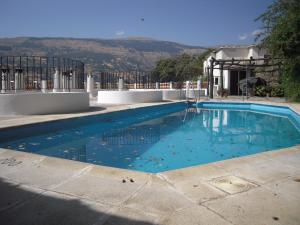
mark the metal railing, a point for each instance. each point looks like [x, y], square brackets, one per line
[132, 80]
[136, 80]
[35, 73]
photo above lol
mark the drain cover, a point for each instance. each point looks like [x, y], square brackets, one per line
[232, 184]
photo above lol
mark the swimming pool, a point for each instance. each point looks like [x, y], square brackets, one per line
[160, 138]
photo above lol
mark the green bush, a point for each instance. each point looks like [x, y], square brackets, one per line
[260, 91]
[277, 91]
[224, 92]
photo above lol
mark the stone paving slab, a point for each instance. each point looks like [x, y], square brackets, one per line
[194, 215]
[128, 216]
[53, 209]
[157, 197]
[39, 171]
[174, 197]
[258, 206]
[108, 190]
[11, 198]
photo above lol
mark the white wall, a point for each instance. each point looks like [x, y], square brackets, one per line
[129, 97]
[43, 103]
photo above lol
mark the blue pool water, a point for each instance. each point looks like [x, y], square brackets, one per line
[161, 138]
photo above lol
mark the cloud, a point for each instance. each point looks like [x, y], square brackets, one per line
[243, 37]
[257, 32]
[120, 33]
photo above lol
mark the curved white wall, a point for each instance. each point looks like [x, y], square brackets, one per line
[43, 103]
[129, 97]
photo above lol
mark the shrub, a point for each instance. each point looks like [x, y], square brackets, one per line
[224, 92]
[260, 91]
[277, 91]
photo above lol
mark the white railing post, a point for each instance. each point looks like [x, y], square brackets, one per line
[157, 85]
[56, 81]
[171, 85]
[3, 81]
[90, 84]
[18, 79]
[121, 84]
[44, 86]
[187, 89]
[198, 84]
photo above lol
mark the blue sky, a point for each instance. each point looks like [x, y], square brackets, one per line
[193, 22]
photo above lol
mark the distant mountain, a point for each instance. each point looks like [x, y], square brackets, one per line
[134, 53]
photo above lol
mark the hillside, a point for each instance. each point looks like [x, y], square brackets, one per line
[102, 55]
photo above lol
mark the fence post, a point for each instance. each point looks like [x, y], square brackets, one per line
[56, 81]
[65, 82]
[171, 85]
[157, 85]
[187, 89]
[18, 79]
[198, 84]
[90, 84]
[3, 81]
[44, 86]
[121, 84]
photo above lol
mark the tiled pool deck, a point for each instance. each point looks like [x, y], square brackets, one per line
[260, 189]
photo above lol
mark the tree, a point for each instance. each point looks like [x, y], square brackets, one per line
[281, 37]
[180, 68]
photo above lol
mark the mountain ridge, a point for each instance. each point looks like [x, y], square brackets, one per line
[122, 54]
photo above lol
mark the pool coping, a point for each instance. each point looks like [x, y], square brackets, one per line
[176, 193]
[37, 119]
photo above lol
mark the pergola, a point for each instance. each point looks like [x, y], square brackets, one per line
[270, 64]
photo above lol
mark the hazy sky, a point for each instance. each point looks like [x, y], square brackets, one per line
[193, 22]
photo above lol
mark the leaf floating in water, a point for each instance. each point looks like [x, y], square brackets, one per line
[34, 144]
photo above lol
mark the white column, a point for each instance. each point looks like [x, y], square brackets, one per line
[44, 86]
[121, 84]
[90, 84]
[171, 85]
[56, 81]
[17, 80]
[65, 83]
[187, 89]
[3, 82]
[73, 77]
[135, 86]
[198, 84]
[157, 85]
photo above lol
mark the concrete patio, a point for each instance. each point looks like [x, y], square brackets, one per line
[257, 189]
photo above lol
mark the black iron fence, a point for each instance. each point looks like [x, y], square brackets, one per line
[132, 80]
[31, 73]
[137, 80]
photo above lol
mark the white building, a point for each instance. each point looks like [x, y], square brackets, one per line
[233, 76]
